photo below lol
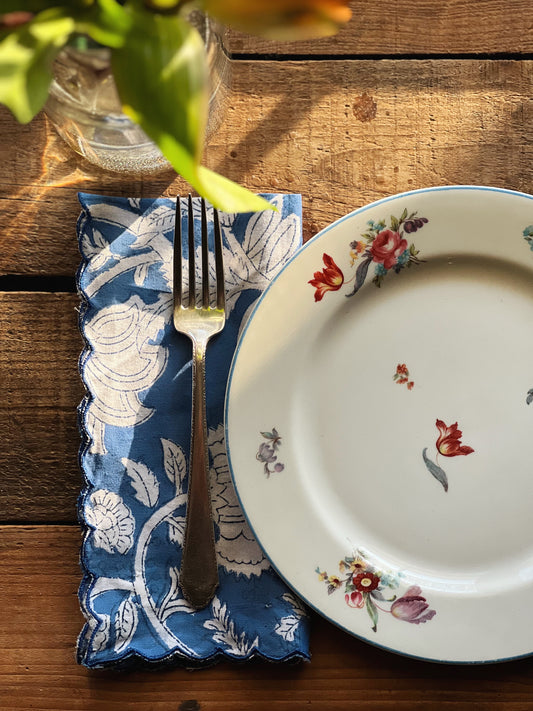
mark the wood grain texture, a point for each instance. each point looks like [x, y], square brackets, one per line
[39, 392]
[392, 27]
[430, 123]
[39, 576]
[343, 133]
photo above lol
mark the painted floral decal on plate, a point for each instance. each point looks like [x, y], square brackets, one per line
[367, 588]
[528, 236]
[268, 452]
[449, 445]
[401, 376]
[384, 245]
[330, 278]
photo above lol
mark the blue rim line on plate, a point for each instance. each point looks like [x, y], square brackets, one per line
[319, 235]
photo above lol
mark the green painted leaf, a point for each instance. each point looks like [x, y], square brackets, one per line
[26, 57]
[435, 470]
[360, 274]
[372, 611]
[394, 224]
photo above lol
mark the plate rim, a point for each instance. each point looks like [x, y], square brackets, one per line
[358, 211]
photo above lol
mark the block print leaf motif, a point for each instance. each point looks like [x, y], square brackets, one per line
[288, 625]
[175, 462]
[176, 529]
[105, 255]
[143, 481]
[269, 242]
[283, 234]
[92, 245]
[140, 274]
[101, 636]
[126, 621]
[173, 602]
[225, 632]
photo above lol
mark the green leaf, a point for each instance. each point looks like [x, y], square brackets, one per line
[26, 57]
[372, 612]
[106, 22]
[227, 195]
[161, 77]
[394, 224]
[219, 191]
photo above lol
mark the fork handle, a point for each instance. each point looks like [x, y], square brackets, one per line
[199, 569]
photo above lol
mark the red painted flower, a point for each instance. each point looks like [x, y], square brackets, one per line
[387, 247]
[365, 582]
[329, 279]
[449, 441]
[412, 607]
[354, 599]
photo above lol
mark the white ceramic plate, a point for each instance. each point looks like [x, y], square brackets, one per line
[379, 428]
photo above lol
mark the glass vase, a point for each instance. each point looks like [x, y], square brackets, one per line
[85, 109]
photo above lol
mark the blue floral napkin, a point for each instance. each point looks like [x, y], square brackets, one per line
[135, 422]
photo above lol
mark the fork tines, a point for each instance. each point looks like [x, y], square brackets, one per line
[178, 257]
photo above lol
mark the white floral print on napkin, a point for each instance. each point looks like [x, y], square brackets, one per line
[135, 423]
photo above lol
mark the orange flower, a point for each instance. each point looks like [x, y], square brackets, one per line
[330, 278]
[282, 19]
[449, 441]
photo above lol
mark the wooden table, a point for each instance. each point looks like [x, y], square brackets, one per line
[408, 95]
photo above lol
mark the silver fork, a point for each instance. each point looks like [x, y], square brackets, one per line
[199, 571]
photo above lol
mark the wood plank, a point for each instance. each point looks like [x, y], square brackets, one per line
[341, 132]
[39, 576]
[39, 392]
[392, 27]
